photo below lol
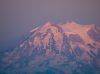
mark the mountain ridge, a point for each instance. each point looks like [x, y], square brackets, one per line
[55, 49]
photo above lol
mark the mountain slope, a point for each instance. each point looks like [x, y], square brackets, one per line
[69, 48]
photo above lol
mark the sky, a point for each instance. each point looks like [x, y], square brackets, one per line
[18, 17]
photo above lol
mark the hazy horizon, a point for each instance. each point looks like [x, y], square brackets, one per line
[18, 17]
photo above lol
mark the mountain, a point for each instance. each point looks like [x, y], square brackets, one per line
[68, 48]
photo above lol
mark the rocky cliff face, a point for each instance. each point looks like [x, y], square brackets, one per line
[56, 49]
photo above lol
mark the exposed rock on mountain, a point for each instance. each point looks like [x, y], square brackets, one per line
[69, 48]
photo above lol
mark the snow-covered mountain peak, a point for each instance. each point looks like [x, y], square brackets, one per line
[69, 48]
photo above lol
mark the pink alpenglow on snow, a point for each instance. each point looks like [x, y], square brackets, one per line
[68, 48]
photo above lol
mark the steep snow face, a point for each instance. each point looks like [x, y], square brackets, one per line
[69, 48]
[76, 34]
[94, 33]
[47, 32]
[81, 30]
